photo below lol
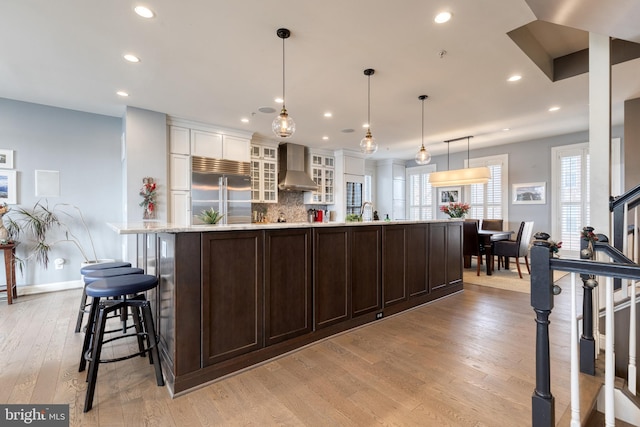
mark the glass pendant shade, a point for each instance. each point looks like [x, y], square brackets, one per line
[368, 144]
[283, 126]
[423, 157]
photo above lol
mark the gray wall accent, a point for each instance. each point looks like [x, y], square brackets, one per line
[85, 149]
[529, 161]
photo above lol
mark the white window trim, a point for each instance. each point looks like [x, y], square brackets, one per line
[413, 171]
[504, 188]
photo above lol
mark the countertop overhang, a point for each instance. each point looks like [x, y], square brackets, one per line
[153, 227]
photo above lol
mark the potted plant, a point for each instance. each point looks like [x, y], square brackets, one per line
[44, 228]
[211, 216]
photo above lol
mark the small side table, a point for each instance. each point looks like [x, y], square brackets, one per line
[9, 250]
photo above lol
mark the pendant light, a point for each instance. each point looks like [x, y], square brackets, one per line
[423, 157]
[283, 125]
[464, 176]
[368, 144]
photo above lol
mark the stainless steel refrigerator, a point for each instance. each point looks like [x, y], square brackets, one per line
[223, 185]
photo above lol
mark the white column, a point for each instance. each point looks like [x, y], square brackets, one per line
[600, 130]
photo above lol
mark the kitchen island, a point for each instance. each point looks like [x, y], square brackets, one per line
[233, 296]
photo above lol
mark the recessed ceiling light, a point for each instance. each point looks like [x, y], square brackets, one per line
[328, 114]
[442, 17]
[122, 93]
[244, 120]
[144, 12]
[279, 100]
[325, 138]
[506, 130]
[131, 58]
[366, 125]
[552, 109]
[514, 78]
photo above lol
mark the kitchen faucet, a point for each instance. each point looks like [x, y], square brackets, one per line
[364, 205]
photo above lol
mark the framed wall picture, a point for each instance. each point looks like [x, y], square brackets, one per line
[530, 193]
[8, 187]
[448, 195]
[6, 159]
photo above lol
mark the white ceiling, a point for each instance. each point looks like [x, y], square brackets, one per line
[219, 61]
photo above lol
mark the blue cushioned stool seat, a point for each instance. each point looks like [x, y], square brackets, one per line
[103, 266]
[105, 269]
[128, 293]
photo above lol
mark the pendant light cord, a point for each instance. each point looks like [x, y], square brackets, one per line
[369, 102]
[423, 124]
[283, 71]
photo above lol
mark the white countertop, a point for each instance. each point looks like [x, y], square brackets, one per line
[163, 227]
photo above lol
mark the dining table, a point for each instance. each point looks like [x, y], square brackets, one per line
[486, 238]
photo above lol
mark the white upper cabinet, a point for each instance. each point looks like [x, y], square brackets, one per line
[179, 140]
[234, 148]
[206, 144]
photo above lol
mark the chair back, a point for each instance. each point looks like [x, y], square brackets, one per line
[525, 233]
[492, 224]
[470, 240]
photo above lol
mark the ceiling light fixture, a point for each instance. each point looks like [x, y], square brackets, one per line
[465, 176]
[122, 93]
[283, 125]
[423, 157]
[514, 78]
[442, 17]
[552, 109]
[144, 12]
[368, 144]
[131, 58]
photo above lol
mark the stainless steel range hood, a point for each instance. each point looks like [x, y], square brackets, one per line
[291, 174]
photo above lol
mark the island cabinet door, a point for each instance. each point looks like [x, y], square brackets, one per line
[394, 264]
[454, 253]
[331, 290]
[437, 255]
[366, 284]
[287, 284]
[232, 294]
[417, 259]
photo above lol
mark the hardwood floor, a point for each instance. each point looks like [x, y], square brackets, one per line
[466, 360]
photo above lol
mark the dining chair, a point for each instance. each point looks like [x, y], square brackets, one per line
[471, 243]
[492, 224]
[516, 248]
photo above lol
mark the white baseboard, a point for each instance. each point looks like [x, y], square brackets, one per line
[49, 287]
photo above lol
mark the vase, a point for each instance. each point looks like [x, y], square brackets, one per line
[148, 214]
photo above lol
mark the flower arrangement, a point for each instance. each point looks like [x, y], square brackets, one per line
[456, 210]
[148, 193]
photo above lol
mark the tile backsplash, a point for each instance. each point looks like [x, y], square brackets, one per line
[290, 204]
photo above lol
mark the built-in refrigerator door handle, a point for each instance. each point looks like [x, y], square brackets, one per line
[223, 198]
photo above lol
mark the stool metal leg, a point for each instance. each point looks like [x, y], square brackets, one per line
[95, 358]
[82, 309]
[154, 352]
[88, 336]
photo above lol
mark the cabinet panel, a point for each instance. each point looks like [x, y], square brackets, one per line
[180, 208]
[418, 259]
[437, 256]
[180, 172]
[454, 253]
[235, 148]
[231, 294]
[288, 302]
[331, 284]
[394, 263]
[206, 144]
[365, 269]
[179, 140]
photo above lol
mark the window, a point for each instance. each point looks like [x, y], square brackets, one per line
[570, 196]
[420, 193]
[490, 200]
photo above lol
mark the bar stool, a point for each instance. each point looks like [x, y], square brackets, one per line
[89, 269]
[121, 289]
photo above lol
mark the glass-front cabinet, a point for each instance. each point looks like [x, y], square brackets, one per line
[264, 174]
[321, 168]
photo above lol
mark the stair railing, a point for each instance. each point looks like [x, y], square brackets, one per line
[542, 300]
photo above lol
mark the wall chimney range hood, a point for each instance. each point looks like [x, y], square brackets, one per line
[291, 174]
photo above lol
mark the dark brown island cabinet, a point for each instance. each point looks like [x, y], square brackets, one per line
[230, 299]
